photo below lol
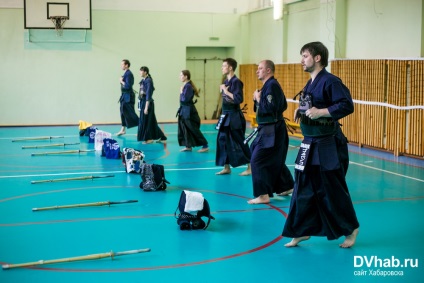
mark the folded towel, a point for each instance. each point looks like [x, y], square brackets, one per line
[194, 201]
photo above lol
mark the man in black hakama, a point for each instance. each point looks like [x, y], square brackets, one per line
[129, 118]
[321, 203]
[269, 149]
[231, 149]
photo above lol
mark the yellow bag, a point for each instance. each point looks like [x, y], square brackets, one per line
[84, 125]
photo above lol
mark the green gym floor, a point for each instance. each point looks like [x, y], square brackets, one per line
[243, 244]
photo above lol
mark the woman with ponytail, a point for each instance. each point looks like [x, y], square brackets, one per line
[148, 128]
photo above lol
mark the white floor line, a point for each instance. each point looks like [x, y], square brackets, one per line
[199, 168]
[388, 172]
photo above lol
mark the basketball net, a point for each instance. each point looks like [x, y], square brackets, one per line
[59, 22]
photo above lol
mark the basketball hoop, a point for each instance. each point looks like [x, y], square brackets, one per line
[59, 22]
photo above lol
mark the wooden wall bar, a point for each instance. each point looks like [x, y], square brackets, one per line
[396, 82]
[415, 145]
[251, 83]
[365, 80]
[396, 95]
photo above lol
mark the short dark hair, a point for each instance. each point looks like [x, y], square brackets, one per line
[231, 62]
[126, 62]
[269, 65]
[317, 48]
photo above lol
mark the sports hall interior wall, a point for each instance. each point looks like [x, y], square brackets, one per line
[388, 95]
[58, 83]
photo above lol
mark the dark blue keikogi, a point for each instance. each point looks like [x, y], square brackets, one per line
[129, 118]
[269, 149]
[230, 148]
[321, 203]
[189, 134]
[148, 128]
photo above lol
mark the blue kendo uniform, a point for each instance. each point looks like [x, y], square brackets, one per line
[148, 128]
[189, 134]
[129, 118]
[321, 203]
[231, 148]
[269, 148]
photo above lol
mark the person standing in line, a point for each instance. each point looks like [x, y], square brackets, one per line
[148, 128]
[321, 204]
[129, 118]
[231, 149]
[270, 146]
[189, 134]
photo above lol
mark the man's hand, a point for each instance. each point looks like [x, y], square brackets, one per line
[257, 95]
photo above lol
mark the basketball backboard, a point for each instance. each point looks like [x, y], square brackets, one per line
[38, 13]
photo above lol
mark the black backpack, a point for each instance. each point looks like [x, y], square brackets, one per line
[152, 177]
[189, 221]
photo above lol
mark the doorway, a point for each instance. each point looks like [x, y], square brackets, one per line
[204, 64]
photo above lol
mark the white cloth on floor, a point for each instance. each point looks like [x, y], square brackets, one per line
[99, 137]
[194, 201]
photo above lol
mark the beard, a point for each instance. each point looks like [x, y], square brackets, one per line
[309, 69]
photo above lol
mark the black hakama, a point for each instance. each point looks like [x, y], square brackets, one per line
[269, 151]
[189, 134]
[321, 203]
[129, 118]
[148, 128]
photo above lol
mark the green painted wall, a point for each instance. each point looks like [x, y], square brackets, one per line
[384, 28]
[49, 83]
[61, 83]
[264, 37]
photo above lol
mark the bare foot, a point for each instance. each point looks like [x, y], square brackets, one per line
[247, 172]
[296, 241]
[286, 193]
[224, 171]
[259, 200]
[147, 142]
[350, 240]
[185, 149]
[121, 132]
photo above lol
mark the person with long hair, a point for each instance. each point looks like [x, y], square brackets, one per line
[129, 118]
[148, 128]
[189, 134]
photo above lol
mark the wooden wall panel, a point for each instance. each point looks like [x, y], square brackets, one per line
[251, 83]
[415, 145]
[396, 95]
[373, 84]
